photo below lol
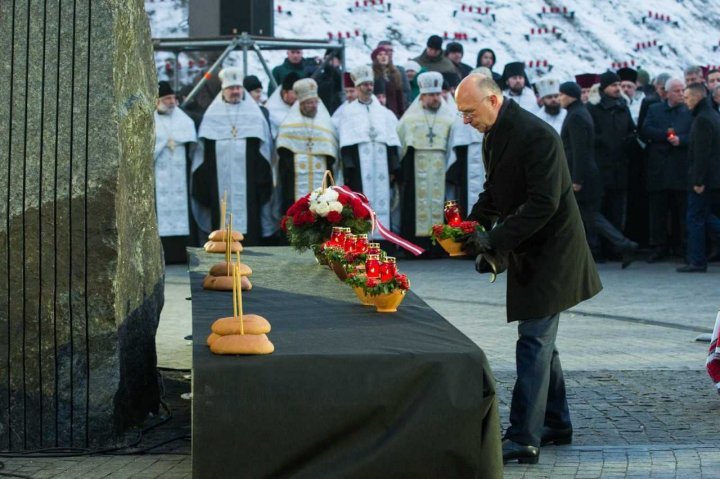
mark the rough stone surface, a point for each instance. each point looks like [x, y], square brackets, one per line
[81, 273]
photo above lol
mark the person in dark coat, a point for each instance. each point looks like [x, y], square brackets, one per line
[330, 81]
[454, 51]
[614, 139]
[666, 131]
[385, 73]
[578, 137]
[538, 231]
[704, 177]
[486, 58]
[657, 96]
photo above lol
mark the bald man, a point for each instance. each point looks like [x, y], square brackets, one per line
[529, 198]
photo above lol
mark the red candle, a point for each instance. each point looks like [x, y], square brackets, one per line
[361, 245]
[373, 248]
[372, 266]
[452, 213]
[337, 237]
[388, 269]
[350, 241]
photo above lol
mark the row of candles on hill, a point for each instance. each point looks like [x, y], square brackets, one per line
[383, 269]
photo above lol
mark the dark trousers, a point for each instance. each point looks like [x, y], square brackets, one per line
[700, 220]
[614, 207]
[667, 219]
[539, 395]
[597, 226]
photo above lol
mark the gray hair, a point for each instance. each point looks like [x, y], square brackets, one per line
[661, 79]
[482, 71]
[693, 70]
[674, 81]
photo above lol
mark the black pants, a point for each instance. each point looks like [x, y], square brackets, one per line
[539, 395]
[667, 220]
[597, 226]
[614, 207]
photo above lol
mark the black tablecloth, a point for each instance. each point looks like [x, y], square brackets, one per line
[348, 392]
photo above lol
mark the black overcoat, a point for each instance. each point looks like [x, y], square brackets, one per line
[667, 165]
[614, 141]
[529, 191]
[578, 137]
[704, 151]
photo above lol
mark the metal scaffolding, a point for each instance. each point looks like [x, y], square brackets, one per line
[244, 42]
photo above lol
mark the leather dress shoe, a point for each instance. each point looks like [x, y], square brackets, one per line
[524, 454]
[689, 268]
[557, 436]
[628, 253]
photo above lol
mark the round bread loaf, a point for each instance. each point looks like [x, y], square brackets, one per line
[212, 338]
[242, 344]
[252, 324]
[219, 235]
[219, 247]
[221, 269]
[225, 283]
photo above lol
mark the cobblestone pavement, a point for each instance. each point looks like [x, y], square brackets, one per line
[642, 405]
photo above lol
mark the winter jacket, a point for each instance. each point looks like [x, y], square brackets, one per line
[578, 137]
[614, 139]
[440, 63]
[704, 150]
[667, 165]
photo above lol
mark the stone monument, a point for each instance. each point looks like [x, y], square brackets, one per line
[81, 271]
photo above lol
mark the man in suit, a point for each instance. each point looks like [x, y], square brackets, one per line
[529, 198]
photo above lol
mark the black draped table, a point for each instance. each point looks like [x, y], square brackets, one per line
[348, 392]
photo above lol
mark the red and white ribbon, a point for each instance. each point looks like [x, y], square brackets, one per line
[386, 233]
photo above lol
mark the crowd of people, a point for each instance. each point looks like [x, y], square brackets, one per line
[643, 152]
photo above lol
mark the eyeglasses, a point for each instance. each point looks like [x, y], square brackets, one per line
[469, 116]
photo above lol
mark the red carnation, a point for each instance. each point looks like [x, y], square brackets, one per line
[371, 282]
[283, 223]
[359, 210]
[334, 217]
[343, 198]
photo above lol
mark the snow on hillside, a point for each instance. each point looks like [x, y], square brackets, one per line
[592, 36]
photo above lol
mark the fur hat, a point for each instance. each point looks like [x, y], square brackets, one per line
[164, 89]
[251, 82]
[547, 86]
[513, 69]
[608, 78]
[305, 89]
[627, 74]
[430, 82]
[362, 74]
[586, 80]
[231, 76]
[570, 88]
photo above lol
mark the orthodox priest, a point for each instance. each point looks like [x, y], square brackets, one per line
[233, 157]
[281, 101]
[175, 139]
[306, 144]
[424, 131]
[465, 174]
[369, 145]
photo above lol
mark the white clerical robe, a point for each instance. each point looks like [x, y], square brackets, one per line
[173, 132]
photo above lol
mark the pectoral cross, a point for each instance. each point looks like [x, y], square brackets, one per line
[234, 131]
[309, 146]
[372, 133]
[171, 145]
[430, 136]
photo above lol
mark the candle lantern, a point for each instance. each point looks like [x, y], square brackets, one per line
[372, 266]
[361, 244]
[388, 269]
[373, 248]
[337, 237]
[452, 213]
[671, 133]
[350, 241]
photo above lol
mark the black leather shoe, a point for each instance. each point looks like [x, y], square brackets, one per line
[523, 454]
[559, 437]
[692, 269]
[657, 255]
[628, 253]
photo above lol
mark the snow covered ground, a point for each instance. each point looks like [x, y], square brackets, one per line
[589, 35]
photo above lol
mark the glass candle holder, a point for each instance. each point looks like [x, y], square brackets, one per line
[388, 269]
[361, 244]
[349, 244]
[452, 213]
[373, 248]
[337, 237]
[372, 266]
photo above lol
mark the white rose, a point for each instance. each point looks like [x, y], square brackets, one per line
[322, 209]
[335, 206]
[314, 195]
[329, 195]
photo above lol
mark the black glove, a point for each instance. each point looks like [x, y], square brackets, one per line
[493, 263]
[476, 243]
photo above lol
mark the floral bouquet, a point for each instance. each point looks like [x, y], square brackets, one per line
[450, 237]
[309, 221]
[386, 294]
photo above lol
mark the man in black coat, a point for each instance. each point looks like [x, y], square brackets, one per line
[528, 196]
[578, 137]
[614, 138]
[704, 173]
[666, 131]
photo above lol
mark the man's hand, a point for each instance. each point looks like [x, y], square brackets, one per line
[674, 140]
[476, 243]
[699, 189]
[577, 187]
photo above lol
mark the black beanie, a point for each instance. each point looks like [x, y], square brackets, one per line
[435, 42]
[607, 79]
[454, 47]
[164, 89]
[251, 82]
[570, 88]
[627, 74]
